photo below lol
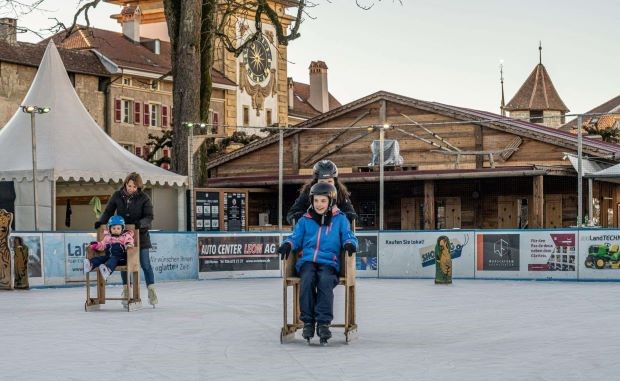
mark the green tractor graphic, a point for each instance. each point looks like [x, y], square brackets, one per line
[603, 256]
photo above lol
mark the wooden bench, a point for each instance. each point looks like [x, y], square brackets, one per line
[291, 279]
[132, 267]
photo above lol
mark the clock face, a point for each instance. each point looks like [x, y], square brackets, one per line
[258, 59]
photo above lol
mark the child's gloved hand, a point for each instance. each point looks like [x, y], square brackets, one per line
[349, 248]
[93, 245]
[284, 250]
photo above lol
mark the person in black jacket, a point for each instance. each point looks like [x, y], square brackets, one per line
[135, 206]
[324, 171]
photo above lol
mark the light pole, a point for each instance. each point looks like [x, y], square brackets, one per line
[190, 167]
[33, 110]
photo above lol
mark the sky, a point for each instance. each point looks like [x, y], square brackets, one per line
[445, 51]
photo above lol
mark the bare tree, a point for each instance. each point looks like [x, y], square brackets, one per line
[194, 27]
[194, 53]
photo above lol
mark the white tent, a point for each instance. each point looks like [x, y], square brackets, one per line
[75, 157]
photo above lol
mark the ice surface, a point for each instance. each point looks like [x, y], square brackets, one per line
[229, 330]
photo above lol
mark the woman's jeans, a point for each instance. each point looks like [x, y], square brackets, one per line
[145, 263]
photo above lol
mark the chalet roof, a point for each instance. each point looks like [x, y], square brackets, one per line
[124, 52]
[27, 54]
[301, 107]
[610, 105]
[483, 118]
[537, 93]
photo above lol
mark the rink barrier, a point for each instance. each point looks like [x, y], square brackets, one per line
[538, 254]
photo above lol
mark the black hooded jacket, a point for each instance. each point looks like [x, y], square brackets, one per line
[136, 209]
[302, 204]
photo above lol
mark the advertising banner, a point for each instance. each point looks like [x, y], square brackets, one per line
[75, 251]
[412, 254]
[366, 261]
[599, 254]
[238, 255]
[527, 254]
[173, 256]
[54, 259]
[36, 266]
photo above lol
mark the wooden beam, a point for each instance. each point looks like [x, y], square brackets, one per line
[539, 202]
[433, 134]
[296, 152]
[340, 146]
[429, 205]
[334, 137]
[478, 145]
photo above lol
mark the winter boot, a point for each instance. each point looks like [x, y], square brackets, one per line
[124, 295]
[152, 295]
[324, 333]
[87, 266]
[105, 271]
[308, 331]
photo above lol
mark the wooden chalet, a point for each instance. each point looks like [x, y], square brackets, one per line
[461, 168]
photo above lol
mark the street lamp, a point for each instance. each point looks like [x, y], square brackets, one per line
[33, 110]
[190, 167]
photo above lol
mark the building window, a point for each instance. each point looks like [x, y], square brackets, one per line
[128, 147]
[246, 115]
[155, 115]
[127, 111]
[126, 81]
[536, 116]
[139, 151]
[269, 119]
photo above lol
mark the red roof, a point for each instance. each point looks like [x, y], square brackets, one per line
[125, 53]
[301, 107]
[24, 53]
[537, 93]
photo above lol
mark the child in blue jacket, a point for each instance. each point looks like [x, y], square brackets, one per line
[319, 236]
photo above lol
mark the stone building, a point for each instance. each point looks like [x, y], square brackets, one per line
[18, 65]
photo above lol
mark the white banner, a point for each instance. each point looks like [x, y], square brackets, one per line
[412, 254]
[526, 254]
[599, 254]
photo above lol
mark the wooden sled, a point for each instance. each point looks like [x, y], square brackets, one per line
[132, 267]
[346, 278]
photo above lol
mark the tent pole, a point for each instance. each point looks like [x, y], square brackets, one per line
[579, 173]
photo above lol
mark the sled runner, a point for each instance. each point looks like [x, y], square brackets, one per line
[132, 266]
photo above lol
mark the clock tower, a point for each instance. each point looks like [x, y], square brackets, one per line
[260, 71]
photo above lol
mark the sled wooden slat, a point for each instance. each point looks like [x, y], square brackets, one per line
[132, 267]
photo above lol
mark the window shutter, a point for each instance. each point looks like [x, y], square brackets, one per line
[147, 115]
[136, 113]
[117, 110]
[164, 116]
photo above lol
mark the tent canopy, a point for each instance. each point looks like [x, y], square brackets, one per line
[70, 146]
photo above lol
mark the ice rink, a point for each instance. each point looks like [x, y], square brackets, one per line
[229, 330]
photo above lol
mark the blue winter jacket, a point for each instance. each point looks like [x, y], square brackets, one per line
[321, 244]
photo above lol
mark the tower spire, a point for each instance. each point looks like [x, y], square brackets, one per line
[501, 79]
[540, 52]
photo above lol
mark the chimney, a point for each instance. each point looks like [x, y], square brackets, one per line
[319, 97]
[130, 19]
[8, 30]
[153, 45]
[291, 93]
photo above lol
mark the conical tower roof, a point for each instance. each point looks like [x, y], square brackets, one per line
[537, 93]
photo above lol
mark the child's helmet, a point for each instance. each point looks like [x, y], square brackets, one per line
[116, 220]
[325, 169]
[324, 189]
